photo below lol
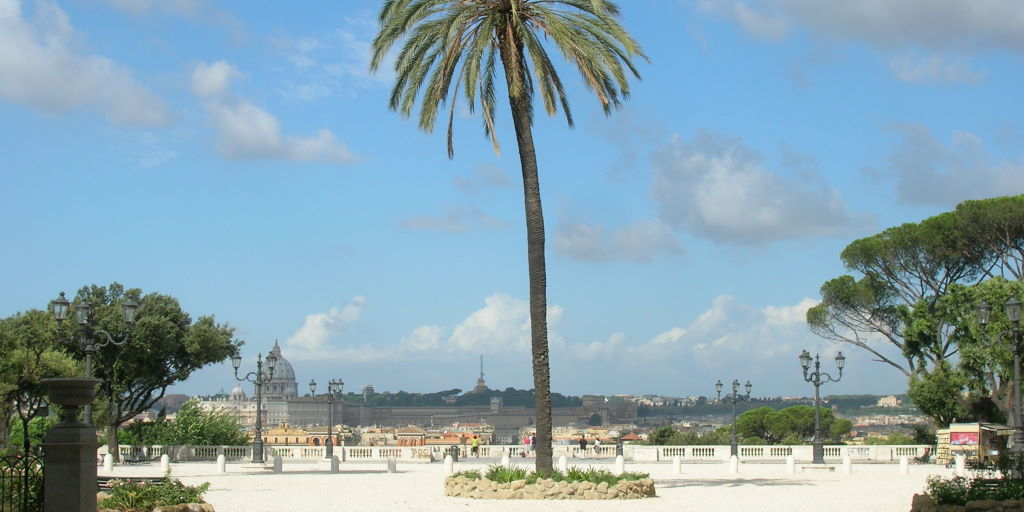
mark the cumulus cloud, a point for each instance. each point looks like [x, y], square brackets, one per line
[928, 171]
[318, 328]
[209, 80]
[641, 241]
[41, 67]
[718, 188]
[248, 132]
[455, 219]
[933, 70]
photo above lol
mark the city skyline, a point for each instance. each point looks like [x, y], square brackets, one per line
[241, 158]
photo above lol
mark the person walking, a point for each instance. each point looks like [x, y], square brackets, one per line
[597, 447]
[474, 445]
[533, 443]
[583, 447]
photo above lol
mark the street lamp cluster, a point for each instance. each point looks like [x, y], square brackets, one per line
[259, 378]
[817, 377]
[60, 307]
[334, 387]
[736, 397]
[983, 314]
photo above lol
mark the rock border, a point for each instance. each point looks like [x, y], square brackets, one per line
[546, 489]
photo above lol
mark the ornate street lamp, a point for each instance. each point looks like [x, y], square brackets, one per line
[334, 387]
[1012, 308]
[60, 307]
[259, 378]
[817, 377]
[736, 397]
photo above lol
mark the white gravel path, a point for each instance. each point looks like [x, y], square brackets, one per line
[309, 487]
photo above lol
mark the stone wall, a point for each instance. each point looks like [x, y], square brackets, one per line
[546, 489]
[924, 503]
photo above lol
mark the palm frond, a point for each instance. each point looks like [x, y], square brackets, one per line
[456, 44]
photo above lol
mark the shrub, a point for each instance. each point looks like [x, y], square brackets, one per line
[505, 474]
[128, 495]
[959, 490]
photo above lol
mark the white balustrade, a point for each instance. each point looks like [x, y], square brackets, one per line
[634, 453]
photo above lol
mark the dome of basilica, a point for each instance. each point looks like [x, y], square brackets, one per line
[282, 384]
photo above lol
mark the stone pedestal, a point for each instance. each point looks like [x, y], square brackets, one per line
[70, 449]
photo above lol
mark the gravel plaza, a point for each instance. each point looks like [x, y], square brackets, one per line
[710, 487]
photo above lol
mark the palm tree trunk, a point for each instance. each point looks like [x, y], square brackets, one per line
[538, 280]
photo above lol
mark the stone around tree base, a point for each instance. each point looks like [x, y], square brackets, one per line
[546, 489]
[924, 503]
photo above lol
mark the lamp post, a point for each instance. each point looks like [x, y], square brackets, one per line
[60, 307]
[1012, 308]
[259, 378]
[334, 386]
[817, 377]
[736, 397]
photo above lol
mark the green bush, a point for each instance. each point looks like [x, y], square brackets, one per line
[959, 490]
[191, 426]
[128, 495]
[505, 474]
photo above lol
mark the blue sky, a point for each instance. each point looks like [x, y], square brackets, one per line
[240, 157]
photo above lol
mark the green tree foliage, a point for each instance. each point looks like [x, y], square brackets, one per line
[454, 46]
[910, 304]
[37, 429]
[163, 347]
[30, 354]
[792, 425]
[191, 426]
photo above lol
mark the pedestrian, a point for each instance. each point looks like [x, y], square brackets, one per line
[597, 447]
[583, 447]
[526, 445]
[533, 443]
[475, 445]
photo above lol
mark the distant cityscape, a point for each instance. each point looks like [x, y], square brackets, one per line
[502, 417]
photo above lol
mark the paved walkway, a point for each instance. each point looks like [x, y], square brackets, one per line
[310, 487]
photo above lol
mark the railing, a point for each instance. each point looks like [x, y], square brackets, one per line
[770, 453]
[637, 453]
[21, 484]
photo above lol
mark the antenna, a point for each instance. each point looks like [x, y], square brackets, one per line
[481, 367]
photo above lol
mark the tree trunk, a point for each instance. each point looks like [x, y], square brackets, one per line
[521, 117]
[113, 447]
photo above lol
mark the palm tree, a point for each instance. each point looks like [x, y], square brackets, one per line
[470, 36]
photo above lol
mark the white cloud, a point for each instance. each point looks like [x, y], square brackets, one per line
[41, 67]
[933, 70]
[424, 338]
[717, 187]
[641, 241]
[214, 79]
[670, 336]
[789, 315]
[170, 6]
[503, 324]
[927, 171]
[318, 328]
[756, 23]
[455, 219]
[935, 24]
[248, 132]
[485, 176]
